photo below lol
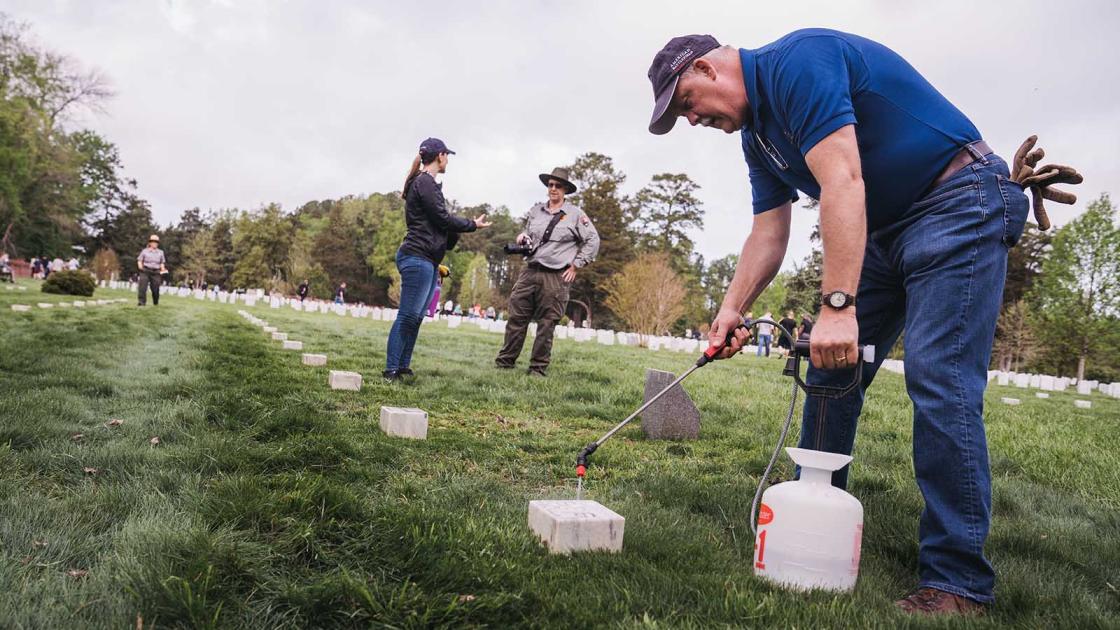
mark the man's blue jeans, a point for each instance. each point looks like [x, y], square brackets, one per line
[939, 275]
[763, 345]
[418, 281]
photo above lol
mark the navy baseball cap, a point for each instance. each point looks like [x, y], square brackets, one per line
[434, 146]
[666, 69]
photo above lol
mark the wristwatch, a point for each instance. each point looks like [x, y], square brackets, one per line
[838, 300]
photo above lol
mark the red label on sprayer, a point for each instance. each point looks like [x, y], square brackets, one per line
[765, 514]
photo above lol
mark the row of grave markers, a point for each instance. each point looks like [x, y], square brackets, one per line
[1043, 382]
[395, 421]
[23, 308]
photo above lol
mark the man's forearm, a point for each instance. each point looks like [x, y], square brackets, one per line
[844, 235]
[759, 261]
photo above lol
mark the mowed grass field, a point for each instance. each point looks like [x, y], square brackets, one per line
[271, 501]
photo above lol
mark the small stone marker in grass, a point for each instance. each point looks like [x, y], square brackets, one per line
[79, 303]
[674, 416]
[567, 526]
[21, 308]
[1010, 401]
[1042, 394]
[345, 380]
[314, 359]
[269, 329]
[279, 336]
[408, 422]
[1082, 404]
[46, 305]
[293, 345]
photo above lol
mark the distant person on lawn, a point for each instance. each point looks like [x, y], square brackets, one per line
[340, 294]
[302, 290]
[151, 263]
[431, 232]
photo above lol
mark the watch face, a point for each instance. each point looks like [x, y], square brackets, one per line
[836, 299]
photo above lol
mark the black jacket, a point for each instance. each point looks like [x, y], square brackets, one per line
[431, 229]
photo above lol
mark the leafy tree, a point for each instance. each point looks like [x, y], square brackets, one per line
[127, 231]
[648, 295]
[221, 231]
[174, 238]
[1077, 295]
[42, 194]
[262, 242]
[667, 209]
[715, 280]
[475, 286]
[598, 195]
[105, 264]
[200, 259]
[1015, 342]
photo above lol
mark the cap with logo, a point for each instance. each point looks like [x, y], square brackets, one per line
[666, 69]
[432, 147]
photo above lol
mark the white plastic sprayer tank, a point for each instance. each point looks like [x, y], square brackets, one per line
[809, 532]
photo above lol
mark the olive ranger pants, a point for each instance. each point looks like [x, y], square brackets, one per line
[540, 296]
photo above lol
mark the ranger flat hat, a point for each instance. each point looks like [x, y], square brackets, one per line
[560, 174]
[154, 237]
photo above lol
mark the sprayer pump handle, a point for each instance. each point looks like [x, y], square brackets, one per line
[866, 353]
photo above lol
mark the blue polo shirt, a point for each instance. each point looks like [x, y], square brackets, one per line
[812, 82]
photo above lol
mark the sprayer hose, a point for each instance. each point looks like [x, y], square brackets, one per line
[782, 438]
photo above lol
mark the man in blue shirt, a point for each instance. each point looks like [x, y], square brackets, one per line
[916, 215]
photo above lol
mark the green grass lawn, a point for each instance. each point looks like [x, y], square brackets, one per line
[272, 501]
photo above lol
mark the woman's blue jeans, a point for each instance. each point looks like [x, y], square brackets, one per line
[939, 275]
[418, 281]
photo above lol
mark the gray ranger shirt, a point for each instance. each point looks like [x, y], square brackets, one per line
[574, 240]
[151, 258]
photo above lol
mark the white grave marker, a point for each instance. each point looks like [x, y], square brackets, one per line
[293, 345]
[345, 380]
[314, 359]
[567, 526]
[407, 422]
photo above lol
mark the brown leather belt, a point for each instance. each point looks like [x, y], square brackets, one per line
[971, 152]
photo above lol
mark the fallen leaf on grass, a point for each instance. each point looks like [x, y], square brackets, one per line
[26, 560]
[467, 598]
[501, 420]
[114, 423]
[154, 441]
[77, 437]
[38, 544]
[90, 470]
[77, 573]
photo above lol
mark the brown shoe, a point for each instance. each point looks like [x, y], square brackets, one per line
[930, 601]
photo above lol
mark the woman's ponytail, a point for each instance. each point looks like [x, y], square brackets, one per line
[412, 173]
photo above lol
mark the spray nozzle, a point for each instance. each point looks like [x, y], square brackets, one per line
[581, 459]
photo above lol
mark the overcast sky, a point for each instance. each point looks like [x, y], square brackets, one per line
[238, 103]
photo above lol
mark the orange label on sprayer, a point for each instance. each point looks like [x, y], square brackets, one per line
[765, 514]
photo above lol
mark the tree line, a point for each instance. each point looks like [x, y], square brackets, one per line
[61, 187]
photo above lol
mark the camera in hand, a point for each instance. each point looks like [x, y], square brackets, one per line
[516, 248]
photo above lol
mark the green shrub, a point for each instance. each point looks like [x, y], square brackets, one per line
[69, 283]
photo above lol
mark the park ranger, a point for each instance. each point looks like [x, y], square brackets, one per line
[558, 239]
[151, 263]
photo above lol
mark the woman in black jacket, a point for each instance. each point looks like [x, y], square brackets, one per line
[431, 232]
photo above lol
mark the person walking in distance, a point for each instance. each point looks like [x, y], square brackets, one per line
[302, 290]
[151, 263]
[558, 239]
[789, 324]
[916, 214]
[765, 337]
[431, 232]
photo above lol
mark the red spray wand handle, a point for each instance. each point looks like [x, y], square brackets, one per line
[710, 354]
